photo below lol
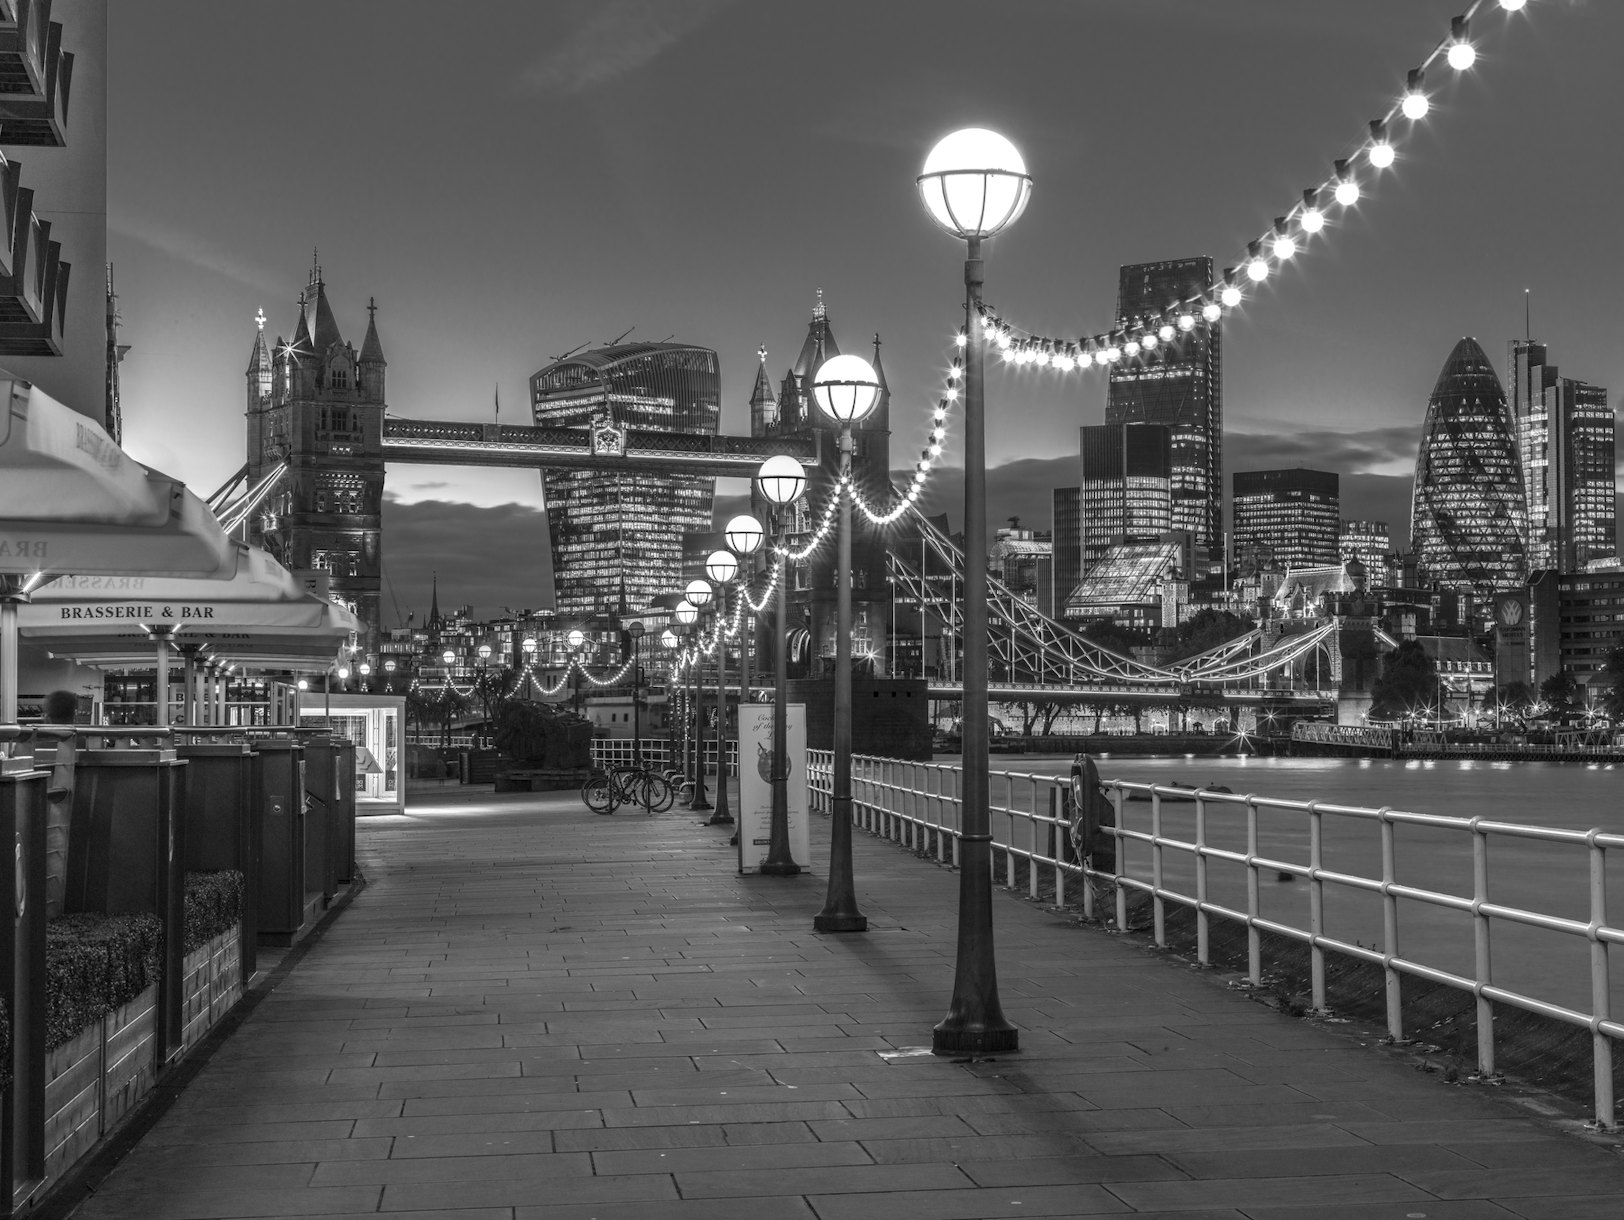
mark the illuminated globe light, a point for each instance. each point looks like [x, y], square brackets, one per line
[1166, 332]
[1003, 339]
[782, 479]
[1112, 354]
[1130, 348]
[529, 645]
[1381, 156]
[1512, 6]
[668, 638]
[484, 651]
[685, 613]
[721, 566]
[935, 451]
[961, 339]
[974, 183]
[698, 593]
[1149, 343]
[364, 669]
[1311, 221]
[1186, 322]
[448, 656]
[304, 684]
[1415, 105]
[1347, 192]
[343, 673]
[1462, 55]
[1041, 358]
[1284, 247]
[1230, 296]
[1211, 311]
[846, 387]
[1064, 363]
[744, 534]
[1258, 270]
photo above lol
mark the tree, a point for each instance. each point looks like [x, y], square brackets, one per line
[1206, 629]
[1612, 689]
[1407, 685]
[1561, 693]
[1516, 700]
[493, 686]
[1051, 712]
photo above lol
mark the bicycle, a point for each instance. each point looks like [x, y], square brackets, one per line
[608, 790]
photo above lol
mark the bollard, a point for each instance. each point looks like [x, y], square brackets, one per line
[279, 789]
[22, 971]
[222, 822]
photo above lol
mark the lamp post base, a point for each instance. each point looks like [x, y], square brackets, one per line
[972, 1039]
[777, 869]
[839, 921]
[720, 818]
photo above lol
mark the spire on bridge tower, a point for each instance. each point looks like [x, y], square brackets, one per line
[763, 402]
[301, 332]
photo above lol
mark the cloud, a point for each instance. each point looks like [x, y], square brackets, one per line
[1344, 452]
[614, 38]
[485, 557]
[189, 247]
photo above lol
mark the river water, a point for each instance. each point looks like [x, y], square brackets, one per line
[1552, 878]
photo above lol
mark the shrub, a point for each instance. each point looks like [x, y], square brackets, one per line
[5, 1046]
[213, 905]
[93, 964]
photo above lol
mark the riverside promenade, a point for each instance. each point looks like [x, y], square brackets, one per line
[534, 1013]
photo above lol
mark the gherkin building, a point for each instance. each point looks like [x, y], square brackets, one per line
[1467, 515]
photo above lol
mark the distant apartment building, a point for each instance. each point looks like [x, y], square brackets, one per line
[1566, 442]
[1022, 559]
[1179, 386]
[1575, 620]
[1068, 548]
[1127, 486]
[1289, 518]
[1371, 543]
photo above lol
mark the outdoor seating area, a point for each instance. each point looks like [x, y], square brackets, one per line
[151, 865]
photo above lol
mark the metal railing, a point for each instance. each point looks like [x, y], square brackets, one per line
[1221, 834]
[617, 752]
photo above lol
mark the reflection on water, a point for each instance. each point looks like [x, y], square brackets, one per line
[1552, 878]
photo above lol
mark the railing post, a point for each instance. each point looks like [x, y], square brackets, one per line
[1395, 994]
[1483, 959]
[1157, 907]
[1058, 850]
[1254, 898]
[1203, 949]
[1032, 842]
[1316, 905]
[1119, 799]
[1600, 986]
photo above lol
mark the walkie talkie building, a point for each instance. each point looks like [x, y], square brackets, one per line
[1467, 515]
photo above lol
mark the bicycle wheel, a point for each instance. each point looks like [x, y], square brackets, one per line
[599, 794]
[657, 794]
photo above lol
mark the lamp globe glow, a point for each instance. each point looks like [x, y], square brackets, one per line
[484, 651]
[1258, 270]
[343, 673]
[1415, 105]
[576, 637]
[529, 645]
[974, 183]
[1166, 332]
[685, 613]
[846, 387]
[1311, 221]
[1211, 312]
[782, 479]
[364, 669]
[1186, 322]
[448, 656]
[1512, 6]
[721, 566]
[1284, 247]
[1462, 55]
[389, 667]
[1230, 296]
[698, 593]
[668, 638]
[1381, 156]
[1347, 193]
[304, 684]
[744, 534]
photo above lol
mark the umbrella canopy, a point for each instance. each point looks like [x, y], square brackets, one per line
[73, 502]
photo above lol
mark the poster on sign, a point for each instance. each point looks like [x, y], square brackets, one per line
[756, 789]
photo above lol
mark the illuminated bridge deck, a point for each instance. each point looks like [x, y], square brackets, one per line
[457, 443]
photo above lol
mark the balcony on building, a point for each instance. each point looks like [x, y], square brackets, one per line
[24, 25]
[33, 91]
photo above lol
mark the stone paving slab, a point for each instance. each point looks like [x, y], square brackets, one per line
[535, 1013]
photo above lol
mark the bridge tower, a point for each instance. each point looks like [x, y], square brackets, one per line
[318, 404]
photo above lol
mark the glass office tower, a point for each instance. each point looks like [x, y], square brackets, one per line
[1288, 516]
[1468, 517]
[1179, 385]
[621, 534]
[1127, 486]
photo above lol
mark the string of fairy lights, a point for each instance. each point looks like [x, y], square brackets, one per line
[1306, 220]
[1138, 339]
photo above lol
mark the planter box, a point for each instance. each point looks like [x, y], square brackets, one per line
[211, 984]
[97, 1078]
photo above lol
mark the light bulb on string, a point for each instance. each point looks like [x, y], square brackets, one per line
[1258, 270]
[1230, 296]
[1186, 322]
[1166, 332]
[1415, 104]
[1462, 54]
[1381, 153]
[1512, 6]
[1149, 343]
[1311, 221]
[1211, 312]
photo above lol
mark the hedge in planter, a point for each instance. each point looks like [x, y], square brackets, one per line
[213, 905]
[93, 964]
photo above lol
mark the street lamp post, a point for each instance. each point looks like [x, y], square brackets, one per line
[744, 537]
[846, 387]
[699, 595]
[974, 183]
[575, 639]
[687, 614]
[668, 640]
[721, 567]
[782, 480]
[528, 647]
[636, 632]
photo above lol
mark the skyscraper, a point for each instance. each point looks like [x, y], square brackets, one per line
[619, 535]
[1179, 385]
[1370, 542]
[1068, 547]
[1127, 486]
[1289, 516]
[1468, 513]
[318, 405]
[1565, 438]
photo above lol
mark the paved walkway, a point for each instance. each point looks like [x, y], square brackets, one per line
[533, 1013]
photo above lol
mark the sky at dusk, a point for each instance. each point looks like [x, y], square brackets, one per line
[510, 180]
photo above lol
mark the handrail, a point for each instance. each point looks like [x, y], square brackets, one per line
[1033, 820]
